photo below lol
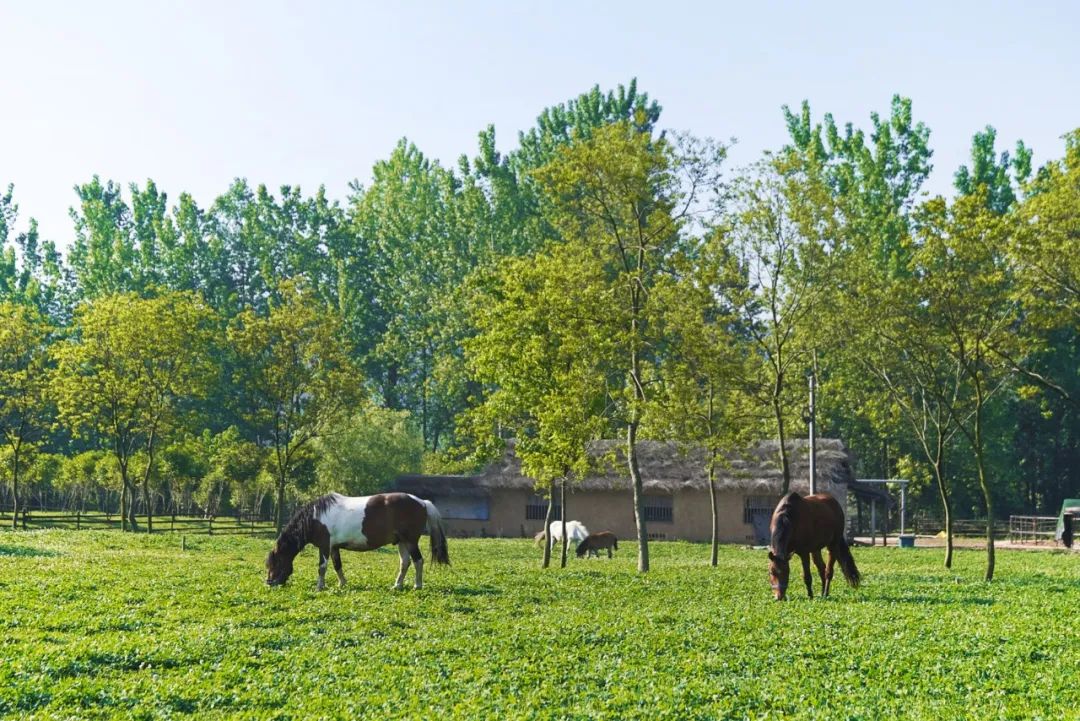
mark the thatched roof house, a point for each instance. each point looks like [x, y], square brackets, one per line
[501, 501]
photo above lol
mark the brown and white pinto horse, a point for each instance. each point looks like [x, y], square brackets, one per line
[359, 523]
[803, 526]
[597, 542]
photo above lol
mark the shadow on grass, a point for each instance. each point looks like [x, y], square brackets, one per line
[24, 552]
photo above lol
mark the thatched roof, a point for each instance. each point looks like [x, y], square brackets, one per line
[665, 468]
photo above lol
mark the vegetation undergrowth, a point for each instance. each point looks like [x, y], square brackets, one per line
[105, 625]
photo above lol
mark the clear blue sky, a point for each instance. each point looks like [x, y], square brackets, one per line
[194, 94]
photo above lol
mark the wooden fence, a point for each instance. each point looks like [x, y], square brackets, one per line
[77, 520]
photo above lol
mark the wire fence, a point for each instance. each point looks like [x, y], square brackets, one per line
[240, 524]
[1033, 529]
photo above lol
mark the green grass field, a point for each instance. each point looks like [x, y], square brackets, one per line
[103, 625]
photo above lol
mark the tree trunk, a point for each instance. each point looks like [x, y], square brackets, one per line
[15, 490]
[639, 497]
[279, 511]
[123, 508]
[980, 466]
[548, 518]
[939, 475]
[133, 522]
[714, 510]
[562, 504]
[785, 467]
[127, 501]
[146, 485]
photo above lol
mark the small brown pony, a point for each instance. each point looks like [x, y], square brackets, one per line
[597, 542]
[803, 526]
[360, 523]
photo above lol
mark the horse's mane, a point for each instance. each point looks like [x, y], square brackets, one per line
[298, 530]
[785, 518]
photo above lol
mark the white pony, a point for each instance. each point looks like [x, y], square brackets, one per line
[575, 531]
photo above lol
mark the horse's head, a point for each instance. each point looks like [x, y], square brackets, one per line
[279, 567]
[779, 567]
[582, 549]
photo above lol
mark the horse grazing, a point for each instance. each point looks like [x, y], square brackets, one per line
[597, 542]
[804, 526]
[575, 531]
[359, 523]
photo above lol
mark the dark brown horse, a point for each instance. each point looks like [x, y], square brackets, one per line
[803, 526]
[359, 523]
[597, 542]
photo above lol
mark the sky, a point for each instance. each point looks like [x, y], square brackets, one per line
[195, 94]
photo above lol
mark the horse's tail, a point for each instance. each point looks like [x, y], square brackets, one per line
[437, 532]
[847, 562]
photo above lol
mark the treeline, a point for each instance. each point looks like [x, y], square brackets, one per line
[604, 278]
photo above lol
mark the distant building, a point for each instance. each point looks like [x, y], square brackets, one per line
[500, 501]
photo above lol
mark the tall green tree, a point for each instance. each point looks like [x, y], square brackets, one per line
[24, 376]
[544, 370]
[701, 399]
[994, 177]
[964, 279]
[790, 269]
[621, 200]
[374, 446]
[31, 269]
[127, 374]
[297, 378]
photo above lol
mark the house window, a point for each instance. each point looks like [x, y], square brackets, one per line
[536, 509]
[758, 505]
[659, 509]
[463, 508]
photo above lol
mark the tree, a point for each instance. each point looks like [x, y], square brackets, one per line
[24, 377]
[896, 342]
[296, 378]
[789, 271]
[620, 200]
[543, 369]
[31, 270]
[994, 178]
[129, 371]
[373, 447]
[413, 254]
[700, 400]
[853, 192]
[960, 264]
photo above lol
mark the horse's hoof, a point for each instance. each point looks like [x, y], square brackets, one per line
[395, 587]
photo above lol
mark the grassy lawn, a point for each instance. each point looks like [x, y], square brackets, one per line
[106, 625]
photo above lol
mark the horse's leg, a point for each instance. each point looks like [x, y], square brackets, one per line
[829, 572]
[820, 565]
[609, 551]
[418, 559]
[403, 552]
[335, 554]
[806, 573]
[324, 558]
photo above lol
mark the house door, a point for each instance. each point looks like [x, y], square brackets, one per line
[759, 521]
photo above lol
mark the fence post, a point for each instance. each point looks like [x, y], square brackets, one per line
[78, 520]
[210, 526]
